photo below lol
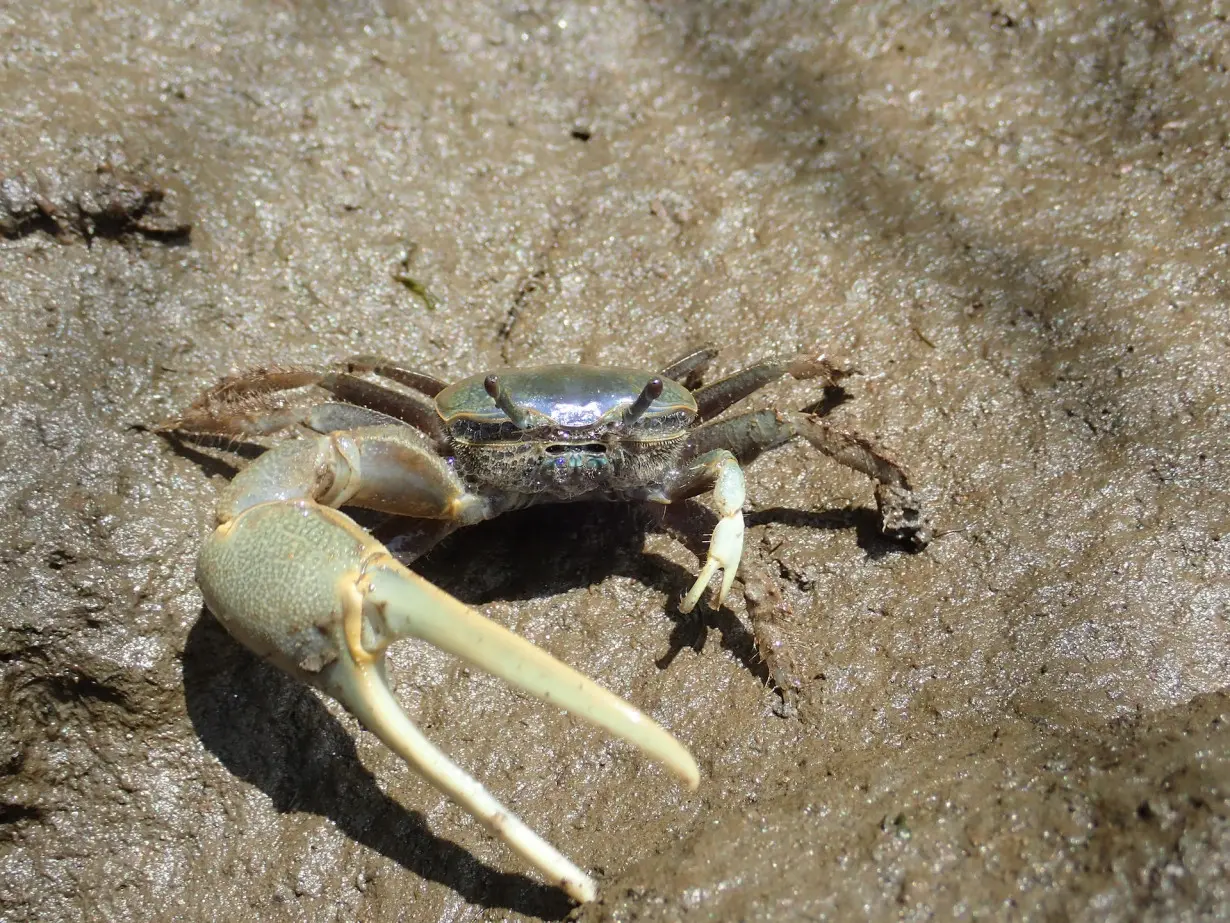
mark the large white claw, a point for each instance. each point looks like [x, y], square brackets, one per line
[304, 586]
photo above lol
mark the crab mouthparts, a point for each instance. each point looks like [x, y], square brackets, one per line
[578, 455]
[589, 448]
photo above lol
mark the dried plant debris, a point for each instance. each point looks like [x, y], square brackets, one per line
[105, 203]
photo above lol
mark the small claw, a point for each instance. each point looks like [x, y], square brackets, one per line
[726, 545]
[725, 551]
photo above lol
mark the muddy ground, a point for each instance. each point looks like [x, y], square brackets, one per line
[1013, 218]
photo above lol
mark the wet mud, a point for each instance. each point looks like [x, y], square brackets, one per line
[1012, 219]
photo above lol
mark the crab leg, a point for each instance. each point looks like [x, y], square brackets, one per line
[689, 368]
[748, 435]
[251, 405]
[713, 399]
[301, 584]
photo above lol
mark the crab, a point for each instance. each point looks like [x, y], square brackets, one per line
[301, 584]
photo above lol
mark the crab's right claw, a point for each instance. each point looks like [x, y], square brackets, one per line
[302, 585]
[726, 545]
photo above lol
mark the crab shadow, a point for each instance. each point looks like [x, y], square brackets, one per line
[545, 551]
[276, 734]
[548, 550]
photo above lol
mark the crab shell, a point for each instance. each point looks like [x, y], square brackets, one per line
[571, 396]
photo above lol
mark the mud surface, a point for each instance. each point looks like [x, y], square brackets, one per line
[1012, 218]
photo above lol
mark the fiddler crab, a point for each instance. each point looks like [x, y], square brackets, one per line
[301, 584]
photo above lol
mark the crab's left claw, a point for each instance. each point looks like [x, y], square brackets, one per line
[304, 586]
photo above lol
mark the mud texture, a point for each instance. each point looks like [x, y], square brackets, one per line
[1013, 218]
